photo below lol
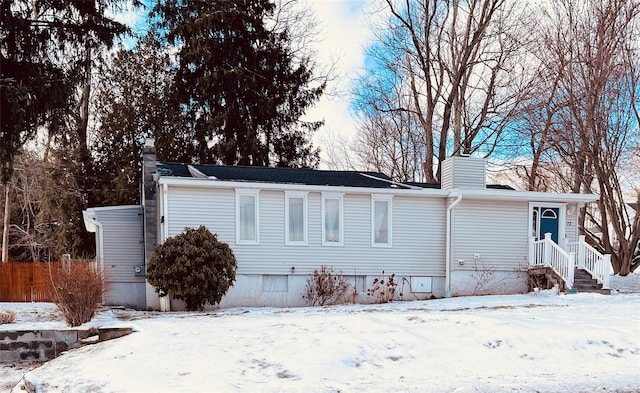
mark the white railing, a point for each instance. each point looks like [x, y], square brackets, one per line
[589, 259]
[547, 253]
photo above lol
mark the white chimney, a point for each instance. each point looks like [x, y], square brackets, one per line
[463, 172]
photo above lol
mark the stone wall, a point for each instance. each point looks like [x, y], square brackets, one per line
[30, 345]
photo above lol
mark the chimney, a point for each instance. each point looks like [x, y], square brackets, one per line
[464, 172]
[149, 202]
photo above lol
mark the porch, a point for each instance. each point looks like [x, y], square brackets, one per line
[577, 265]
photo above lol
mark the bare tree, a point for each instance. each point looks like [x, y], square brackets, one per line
[41, 222]
[338, 152]
[587, 116]
[456, 61]
[390, 140]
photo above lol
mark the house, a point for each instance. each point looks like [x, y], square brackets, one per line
[119, 249]
[462, 237]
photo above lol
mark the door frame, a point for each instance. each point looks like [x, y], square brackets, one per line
[562, 219]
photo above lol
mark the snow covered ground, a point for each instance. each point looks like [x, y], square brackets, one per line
[541, 342]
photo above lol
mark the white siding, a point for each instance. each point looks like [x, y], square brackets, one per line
[496, 231]
[122, 242]
[463, 172]
[418, 233]
[192, 207]
[571, 232]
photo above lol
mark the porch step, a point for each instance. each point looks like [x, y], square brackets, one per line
[583, 282]
[545, 277]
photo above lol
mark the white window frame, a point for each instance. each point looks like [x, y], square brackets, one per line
[288, 195]
[562, 219]
[340, 198]
[389, 200]
[256, 194]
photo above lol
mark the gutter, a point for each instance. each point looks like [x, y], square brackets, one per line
[447, 286]
[95, 226]
[207, 183]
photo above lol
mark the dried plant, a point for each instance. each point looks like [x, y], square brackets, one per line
[7, 316]
[326, 287]
[383, 291]
[77, 290]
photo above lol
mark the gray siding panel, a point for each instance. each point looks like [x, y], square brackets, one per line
[198, 206]
[122, 242]
[496, 231]
[463, 172]
[418, 233]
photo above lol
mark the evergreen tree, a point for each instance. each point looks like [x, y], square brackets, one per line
[38, 66]
[240, 83]
[132, 105]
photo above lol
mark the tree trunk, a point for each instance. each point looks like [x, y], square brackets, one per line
[5, 230]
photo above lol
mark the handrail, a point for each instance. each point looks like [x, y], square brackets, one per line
[591, 260]
[546, 252]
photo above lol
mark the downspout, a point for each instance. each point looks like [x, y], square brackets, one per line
[447, 285]
[91, 220]
[165, 214]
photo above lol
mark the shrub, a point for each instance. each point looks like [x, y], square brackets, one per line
[326, 287]
[76, 289]
[193, 266]
[7, 316]
[384, 292]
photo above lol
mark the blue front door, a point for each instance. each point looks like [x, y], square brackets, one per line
[545, 220]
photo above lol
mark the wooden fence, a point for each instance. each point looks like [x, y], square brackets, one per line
[26, 281]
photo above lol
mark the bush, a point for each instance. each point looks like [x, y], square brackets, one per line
[77, 289]
[193, 266]
[326, 287]
[7, 316]
[383, 292]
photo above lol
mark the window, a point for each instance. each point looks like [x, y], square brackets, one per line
[247, 222]
[381, 220]
[332, 232]
[295, 218]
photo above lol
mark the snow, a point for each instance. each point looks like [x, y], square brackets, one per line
[537, 342]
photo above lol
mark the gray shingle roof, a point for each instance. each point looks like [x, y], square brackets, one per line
[313, 177]
[282, 175]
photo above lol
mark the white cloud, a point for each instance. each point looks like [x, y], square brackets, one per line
[345, 34]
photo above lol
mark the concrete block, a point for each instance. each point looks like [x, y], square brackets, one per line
[105, 334]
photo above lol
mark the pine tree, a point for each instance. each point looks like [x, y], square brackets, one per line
[132, 105]
[240, 83]
[39, 67]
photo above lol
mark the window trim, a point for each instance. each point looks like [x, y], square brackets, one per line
[382, 198]
[305, 217]
[340, 198]
[549, 213]
[256, 194]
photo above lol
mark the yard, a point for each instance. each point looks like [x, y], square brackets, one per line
[542, 342]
